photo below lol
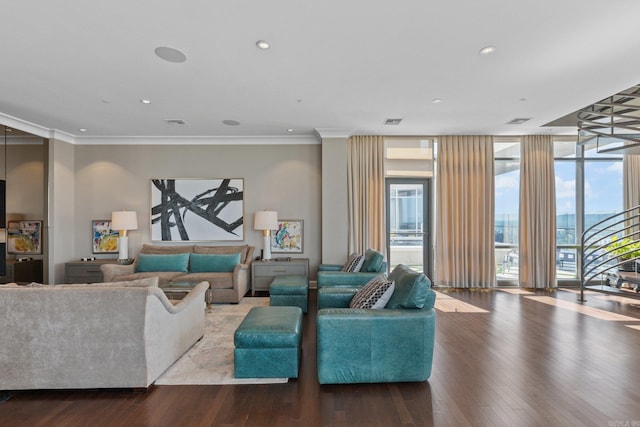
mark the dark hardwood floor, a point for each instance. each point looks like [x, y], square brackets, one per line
[531, 359]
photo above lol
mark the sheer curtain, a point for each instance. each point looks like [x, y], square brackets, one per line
[365, 192]
[631, 180]
[537, 225]
[465, 256]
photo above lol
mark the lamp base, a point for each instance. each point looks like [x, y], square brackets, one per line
[267, 248]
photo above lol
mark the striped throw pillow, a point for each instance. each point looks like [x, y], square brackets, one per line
[375, 294]
[354, 263]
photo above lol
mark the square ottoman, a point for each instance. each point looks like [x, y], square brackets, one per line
[289, 290]
[268, 343]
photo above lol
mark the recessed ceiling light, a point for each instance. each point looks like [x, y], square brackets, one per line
[231, 122]
[263, 44]
[289, 130]
[145, 101]
[170, 54]
[436, 101]
[82, 130]
[487, 50]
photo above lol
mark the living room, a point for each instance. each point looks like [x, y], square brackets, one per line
[503, 356]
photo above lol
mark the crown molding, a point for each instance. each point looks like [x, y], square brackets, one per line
[325, 133]
[197, 140]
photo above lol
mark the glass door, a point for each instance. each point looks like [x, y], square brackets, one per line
[408, 223]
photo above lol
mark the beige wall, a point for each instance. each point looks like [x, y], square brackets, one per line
[334, 201]
[25, 181]
[285, 178]
[60, 224]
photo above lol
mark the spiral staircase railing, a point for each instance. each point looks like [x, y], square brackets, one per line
[600, 261]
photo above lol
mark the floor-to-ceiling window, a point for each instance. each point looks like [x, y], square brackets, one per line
[588, 189]
[507, 191]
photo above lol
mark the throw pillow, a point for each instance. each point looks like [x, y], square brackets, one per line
[375, 294]
[354, 263]
[372, 261]
[153, 263]
[412, 288]
[214, 263]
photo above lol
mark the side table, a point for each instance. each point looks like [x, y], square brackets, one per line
[263, 272]
[85, 271]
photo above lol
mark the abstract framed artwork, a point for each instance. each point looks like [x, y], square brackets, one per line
[197, 209]
[105, 240]
[24, 237]
[288, 238]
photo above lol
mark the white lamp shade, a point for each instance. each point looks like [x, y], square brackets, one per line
[124, 220]
[265, 220]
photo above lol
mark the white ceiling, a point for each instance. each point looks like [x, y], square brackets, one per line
[333, 65]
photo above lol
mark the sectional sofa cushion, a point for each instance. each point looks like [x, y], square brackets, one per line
[165, 262]
[375, 294]
[245, 251]
[218, 263]
[354, 263]
[372, 261]
[411, 288]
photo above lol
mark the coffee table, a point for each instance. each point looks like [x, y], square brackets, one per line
[174, 289]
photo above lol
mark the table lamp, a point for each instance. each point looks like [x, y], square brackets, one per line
[123, 221]
[266, 221]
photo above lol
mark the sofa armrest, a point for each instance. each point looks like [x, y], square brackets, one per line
[366, 346]
[344, 278]
[329, 267]
[241, 279]
[111, 271]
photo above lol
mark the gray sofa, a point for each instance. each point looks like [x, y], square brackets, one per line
[105, 335]
[226, 286]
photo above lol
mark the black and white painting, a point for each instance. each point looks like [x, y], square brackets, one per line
[197, 209]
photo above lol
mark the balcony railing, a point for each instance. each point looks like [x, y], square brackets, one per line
[600, 259]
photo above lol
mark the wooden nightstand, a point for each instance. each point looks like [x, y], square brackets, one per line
[85, 271]
[263, 272]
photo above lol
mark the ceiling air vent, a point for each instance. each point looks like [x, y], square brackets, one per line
[177, 122]
[519, 121]
[392, 122]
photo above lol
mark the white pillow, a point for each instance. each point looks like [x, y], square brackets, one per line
[375, 294]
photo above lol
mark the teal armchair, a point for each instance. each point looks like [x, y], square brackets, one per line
[330, 274]
[394, 344]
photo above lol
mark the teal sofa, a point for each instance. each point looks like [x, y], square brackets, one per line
[394, 344]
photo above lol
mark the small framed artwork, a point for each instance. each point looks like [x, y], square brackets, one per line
[105, 240]
[288, 238]
[24, 237]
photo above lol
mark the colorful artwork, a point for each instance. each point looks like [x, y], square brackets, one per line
[197, 209]
[24, 237]
[105, 240]
[288, 237]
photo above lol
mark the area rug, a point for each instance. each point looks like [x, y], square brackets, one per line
[210, 360]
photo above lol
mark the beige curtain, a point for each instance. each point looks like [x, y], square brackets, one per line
[631, 189]
[365, 191]
[631, 180]
[537, 227]
[464, 256]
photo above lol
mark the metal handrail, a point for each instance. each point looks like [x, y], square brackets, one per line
[596, 239]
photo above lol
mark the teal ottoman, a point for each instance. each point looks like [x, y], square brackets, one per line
[268, 343]
[289, 291]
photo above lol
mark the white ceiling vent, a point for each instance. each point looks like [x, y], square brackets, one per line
[177, 122]
[392, 122]
[519, 121]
